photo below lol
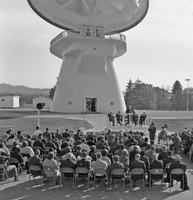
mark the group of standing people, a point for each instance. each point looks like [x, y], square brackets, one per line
[130, 118]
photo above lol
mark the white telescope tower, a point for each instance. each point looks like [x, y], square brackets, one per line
[91, 41]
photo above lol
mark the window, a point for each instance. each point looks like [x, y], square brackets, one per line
[111, 103]
[70, 103]
[3, 100]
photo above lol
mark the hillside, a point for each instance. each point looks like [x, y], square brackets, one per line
[6, 89]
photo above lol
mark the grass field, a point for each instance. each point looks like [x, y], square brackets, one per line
[15, 119]
[176, 120]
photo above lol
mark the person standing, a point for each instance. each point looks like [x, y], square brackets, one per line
[129, 113]
[152, 131]
[111, 118]
[119, 118]
[142, 118]
[162, 135]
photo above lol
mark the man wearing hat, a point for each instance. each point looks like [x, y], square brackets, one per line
[181, 165]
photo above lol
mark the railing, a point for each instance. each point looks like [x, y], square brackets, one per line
[66, 34]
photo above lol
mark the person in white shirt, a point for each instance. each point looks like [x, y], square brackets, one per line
[83, 145]
[26, 150]
[99, 164]
[37, 132]
[50, 162]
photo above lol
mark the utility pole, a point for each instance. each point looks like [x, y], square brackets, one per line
[187, 91]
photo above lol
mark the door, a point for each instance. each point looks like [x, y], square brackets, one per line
[91, 104]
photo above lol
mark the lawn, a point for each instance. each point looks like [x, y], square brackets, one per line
[176, 120]
[14, 118]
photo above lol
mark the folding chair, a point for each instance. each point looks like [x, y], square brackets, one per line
[67, 172]
[141, 175]
[156, 175]
[3, 174]
[167, 167]
[118, 174]
[82, 173]
[50, 173]
[34, 171]
[177, 174]
[100, 174]
[14, 161]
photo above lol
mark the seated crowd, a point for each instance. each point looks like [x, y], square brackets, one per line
[122, 150]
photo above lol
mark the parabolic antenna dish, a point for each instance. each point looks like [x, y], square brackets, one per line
[114, 15]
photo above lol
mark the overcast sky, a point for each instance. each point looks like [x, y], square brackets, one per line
[159, 49]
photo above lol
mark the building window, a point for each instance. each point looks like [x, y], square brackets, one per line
[111, 103]
[70, 103]
[3, 100]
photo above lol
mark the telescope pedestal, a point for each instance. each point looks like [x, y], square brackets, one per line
[87, 81]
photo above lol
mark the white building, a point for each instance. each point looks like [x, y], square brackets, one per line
[9, 102]
[45, 100]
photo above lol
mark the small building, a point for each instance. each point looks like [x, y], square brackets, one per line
[47, 102]
[9, 102]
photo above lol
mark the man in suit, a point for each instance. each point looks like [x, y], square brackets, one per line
[156, 164]
[115, 165]
[169, 159]
[38, 142]
[163, 154]
[47, 134]
[152, 132]
[145, 160]
[181, 165]
[36, 160]
[137, 163]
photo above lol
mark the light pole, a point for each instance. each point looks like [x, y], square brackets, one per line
[188, 80]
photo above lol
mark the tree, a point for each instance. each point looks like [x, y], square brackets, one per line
[52, 91]
[162, 99]
[177, 99]
[140, 95]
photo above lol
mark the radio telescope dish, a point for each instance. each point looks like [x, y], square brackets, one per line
[114, 15]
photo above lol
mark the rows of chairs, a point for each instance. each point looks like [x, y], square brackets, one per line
[101, 174]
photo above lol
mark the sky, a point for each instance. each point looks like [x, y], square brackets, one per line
[159, 49]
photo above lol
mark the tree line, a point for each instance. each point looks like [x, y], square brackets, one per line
[146, 97]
